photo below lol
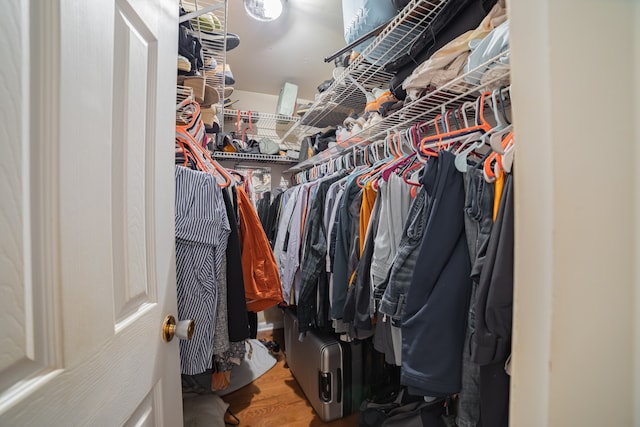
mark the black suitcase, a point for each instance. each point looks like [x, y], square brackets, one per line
[328, 371]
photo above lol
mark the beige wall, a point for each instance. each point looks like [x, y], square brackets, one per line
[255, 101]
[575, 68]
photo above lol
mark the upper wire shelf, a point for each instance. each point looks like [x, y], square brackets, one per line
[211, 30]
[182, 93]
[347, 94]
[465, 88]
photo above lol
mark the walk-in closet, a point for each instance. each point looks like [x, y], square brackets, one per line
[320, 213]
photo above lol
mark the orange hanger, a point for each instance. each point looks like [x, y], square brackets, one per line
[195, 148]
[440, 139]
[416, 131]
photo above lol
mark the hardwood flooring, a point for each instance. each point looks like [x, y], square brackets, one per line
[276, 399]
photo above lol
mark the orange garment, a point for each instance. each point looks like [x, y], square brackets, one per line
[262, 287]
[368, 199]
[498, 194]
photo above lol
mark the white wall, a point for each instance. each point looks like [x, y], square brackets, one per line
[576, 104]
[255, 101]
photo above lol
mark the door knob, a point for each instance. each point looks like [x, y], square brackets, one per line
[183, 329]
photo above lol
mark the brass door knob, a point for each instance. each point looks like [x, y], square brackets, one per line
[183, 329]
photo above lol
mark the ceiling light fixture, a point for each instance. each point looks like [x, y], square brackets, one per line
[263, 10]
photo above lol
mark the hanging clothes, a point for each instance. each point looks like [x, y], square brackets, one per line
[287, 246]
[236, 302]
[334, 198]
[369, 196]
[273, 216]
[346, 240]
[260, 271]
[491, 344]
[478, 224]
[381, 242]
[392, 292]
[434, 320]
[423, 277]
[313, 303]
[202, 230]
[357, 310]
[396, 201]
[221, 343]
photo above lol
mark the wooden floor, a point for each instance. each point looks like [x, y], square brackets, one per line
[275, 399]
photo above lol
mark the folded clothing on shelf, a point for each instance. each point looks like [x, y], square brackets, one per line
[184, 64]
[323, 140]
[206, 22]
[494, 44]
[455, 18]
[449, 61]
[190, 48]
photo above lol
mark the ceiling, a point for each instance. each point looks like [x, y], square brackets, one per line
[290, 49]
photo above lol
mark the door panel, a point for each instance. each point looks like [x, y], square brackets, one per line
[132, 166]
[12, 215]
[148, 413]
[21, 338]
[87, 270]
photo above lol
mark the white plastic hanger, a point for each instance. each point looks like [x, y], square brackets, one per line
[473, 142]
[503, 127]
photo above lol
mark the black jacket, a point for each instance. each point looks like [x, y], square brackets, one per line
[491, 342]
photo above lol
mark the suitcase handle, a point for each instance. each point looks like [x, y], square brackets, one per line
[324, 386]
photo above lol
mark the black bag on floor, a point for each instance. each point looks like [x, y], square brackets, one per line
[396, 408]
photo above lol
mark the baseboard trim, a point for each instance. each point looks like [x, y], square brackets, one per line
[270, 326]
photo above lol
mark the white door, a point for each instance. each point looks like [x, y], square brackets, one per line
[87, 274]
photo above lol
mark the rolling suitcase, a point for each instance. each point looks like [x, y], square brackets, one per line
[328, 371]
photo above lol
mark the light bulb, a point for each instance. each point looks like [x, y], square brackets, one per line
[263, 10]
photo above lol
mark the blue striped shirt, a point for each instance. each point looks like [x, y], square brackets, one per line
[202, 232]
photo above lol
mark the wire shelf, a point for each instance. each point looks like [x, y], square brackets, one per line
[182, 93]
[263, 158]
[347, 93]
[464, 88]
[212, 37]
[265, 125]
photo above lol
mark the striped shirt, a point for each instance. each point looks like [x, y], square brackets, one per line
[202, 231]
